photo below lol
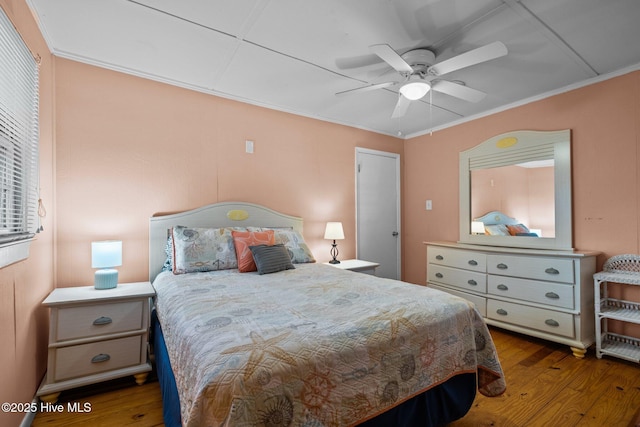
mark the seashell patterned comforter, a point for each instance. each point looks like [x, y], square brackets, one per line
[313, 346]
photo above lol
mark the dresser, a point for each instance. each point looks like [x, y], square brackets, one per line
[96, 335]
[541, 293]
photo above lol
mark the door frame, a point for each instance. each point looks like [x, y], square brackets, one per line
[396, 156]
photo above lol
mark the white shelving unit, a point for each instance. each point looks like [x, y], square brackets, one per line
[624, 270]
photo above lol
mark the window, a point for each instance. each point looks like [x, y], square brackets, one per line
[19, 135]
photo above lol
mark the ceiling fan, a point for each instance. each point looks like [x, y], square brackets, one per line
[421, 73]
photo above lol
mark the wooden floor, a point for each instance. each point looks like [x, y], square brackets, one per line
[546, 386]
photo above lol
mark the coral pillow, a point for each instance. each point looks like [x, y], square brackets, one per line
[514, 230]
[243, 239]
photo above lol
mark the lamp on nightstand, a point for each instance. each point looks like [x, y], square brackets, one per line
[477, 227]
[105, 255]
[334, 232]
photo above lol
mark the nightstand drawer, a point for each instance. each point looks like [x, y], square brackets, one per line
[86, 359]
[99, 319]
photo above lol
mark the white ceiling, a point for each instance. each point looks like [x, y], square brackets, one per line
[294, 55]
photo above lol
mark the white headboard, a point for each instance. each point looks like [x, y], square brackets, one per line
[496, 217]
[224, 214]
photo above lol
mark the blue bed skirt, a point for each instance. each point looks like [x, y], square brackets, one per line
[438, 406]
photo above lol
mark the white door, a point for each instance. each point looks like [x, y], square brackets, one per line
[378, 210]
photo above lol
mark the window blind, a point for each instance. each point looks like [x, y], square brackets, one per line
[19, 136]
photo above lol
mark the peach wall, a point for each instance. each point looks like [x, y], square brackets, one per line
[23, 286]
[128, 148]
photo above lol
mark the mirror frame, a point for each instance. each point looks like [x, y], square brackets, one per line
[518, 147]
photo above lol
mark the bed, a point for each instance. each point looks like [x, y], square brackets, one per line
[307, 344]
[497, 223]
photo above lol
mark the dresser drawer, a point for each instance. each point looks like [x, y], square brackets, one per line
[531, 317]
[98, 319]
[551, 269]
[96, 357]
[549, 293]
[469, 260]
[463, 279]
[480, 302]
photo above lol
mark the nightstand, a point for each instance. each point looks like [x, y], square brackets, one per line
[96, 335]
[358, 265]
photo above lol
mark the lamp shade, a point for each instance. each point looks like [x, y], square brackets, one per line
[414, 90]
[477, 227]
[106, 254]
[334, 231]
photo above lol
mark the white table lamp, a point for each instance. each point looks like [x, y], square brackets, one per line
[334, 232]
[104, 256]
[477, 227]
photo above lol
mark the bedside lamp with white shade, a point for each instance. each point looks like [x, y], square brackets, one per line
[477, 227]
[334, 232]
[104, 256]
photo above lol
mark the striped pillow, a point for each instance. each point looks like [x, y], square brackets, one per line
[271, 259]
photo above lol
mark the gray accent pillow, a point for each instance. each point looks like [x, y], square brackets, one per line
[271, 259]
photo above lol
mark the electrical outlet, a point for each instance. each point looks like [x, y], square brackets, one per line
[248, 146]
[429, 205]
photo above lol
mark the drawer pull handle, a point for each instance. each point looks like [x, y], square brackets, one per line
[502, 266]
[551, 270]
[473, 262]
[439, 275]
[552, 322]
[502, 312]
[472, 282]
[552, 295]
[503, 287]
[100, 358]
[103, 320]
[439, 257]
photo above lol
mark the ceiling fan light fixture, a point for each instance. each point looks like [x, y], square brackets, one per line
[415, 90]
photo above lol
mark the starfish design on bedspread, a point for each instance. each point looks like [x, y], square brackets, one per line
[396, 319]
[259, 349]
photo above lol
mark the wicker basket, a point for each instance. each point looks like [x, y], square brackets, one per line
[624, 264]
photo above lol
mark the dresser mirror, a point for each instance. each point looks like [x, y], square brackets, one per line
[515, 191]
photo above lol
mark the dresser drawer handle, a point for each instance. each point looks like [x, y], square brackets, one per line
[103, 320]
[473, 262]
[439, 275]
[502, 312]
[100, 358]
[502, 266]
[552, 295]
[503, 287]
[439, 257]
[551, 322]
[472, 282]
[551, 270]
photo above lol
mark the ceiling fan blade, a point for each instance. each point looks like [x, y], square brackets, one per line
[391, 57]
[458, 91]
[401, 107]
[476, 56]
[365, 88]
